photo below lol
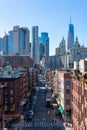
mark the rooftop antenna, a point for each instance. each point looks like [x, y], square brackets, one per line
[70, 18]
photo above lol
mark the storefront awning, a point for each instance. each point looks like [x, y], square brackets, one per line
[61, 109]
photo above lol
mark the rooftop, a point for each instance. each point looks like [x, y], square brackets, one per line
[82, 77]
[8, 72]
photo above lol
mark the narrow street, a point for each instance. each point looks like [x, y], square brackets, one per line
[41, 120]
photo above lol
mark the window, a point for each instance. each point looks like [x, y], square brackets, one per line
[67, 101]
[11, 92]
[11, 99]
[67, 83]
[0, 99]
[6, 99]
[6, 102]
[11, 109]
[5, 92]
[85, 92]
[5, 108]
[67, 91]
[11, 85]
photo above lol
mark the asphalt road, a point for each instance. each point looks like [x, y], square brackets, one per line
[41, 119]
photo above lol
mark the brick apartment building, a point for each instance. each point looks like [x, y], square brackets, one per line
[1, 108]
[79, 101]
[15, 91]
[17, 60]
[61, 84]
[64, 87]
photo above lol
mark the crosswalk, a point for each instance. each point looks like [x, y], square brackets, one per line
[38, 124]
[34, 124]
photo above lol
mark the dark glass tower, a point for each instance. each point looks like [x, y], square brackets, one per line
[44, 44]
[70, 42]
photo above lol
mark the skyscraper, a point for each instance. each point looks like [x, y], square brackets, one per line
[1, 45]
[18, 41]
[5, 40]
[4, 45]
[10, 43]
[70, 42]
[24, 41]
[35, 45]
[41, 48]
[62, 47]
[44, 44]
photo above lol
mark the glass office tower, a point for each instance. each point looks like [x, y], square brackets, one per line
[44, 44]
[35, 45]
[70, 42]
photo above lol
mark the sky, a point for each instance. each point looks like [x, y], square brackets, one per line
[52, 16]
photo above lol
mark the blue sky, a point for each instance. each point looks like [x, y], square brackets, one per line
[52, 16]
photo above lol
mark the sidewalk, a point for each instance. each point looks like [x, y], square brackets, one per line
[68, 126]
[61, 123]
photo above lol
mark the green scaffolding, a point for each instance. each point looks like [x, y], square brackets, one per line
[61, 109]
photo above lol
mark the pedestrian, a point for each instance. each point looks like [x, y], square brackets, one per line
[60, 117]
[66, 123]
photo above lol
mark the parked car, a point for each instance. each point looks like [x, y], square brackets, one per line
[28, 115]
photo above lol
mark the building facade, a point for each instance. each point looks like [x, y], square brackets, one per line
[62, 47]
[70, 40]
[17, 60]
[79, 101]
[53, 62]
[41, 49]
[45, 41]
[16, 85]
[18, 41]
[64, 82]
[24, 41]
[4, 45]
[1, 108]
[35, 45]
[75, 54]
[61, 50]
[14, 88]
[1, 45]
[57, 51]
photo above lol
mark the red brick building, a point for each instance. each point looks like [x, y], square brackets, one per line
[79, 101]
[17, 60]
[64, 85]
[17, 84]
[1, 108]
[61, 84]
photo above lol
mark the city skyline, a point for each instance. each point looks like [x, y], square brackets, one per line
[52, 17]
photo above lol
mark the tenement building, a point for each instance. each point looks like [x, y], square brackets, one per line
[79, 101]
[64, 86]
